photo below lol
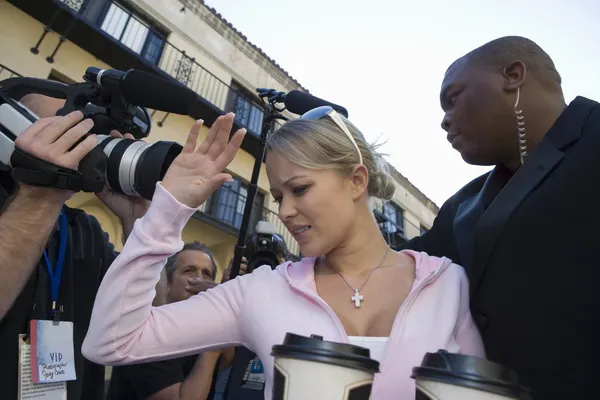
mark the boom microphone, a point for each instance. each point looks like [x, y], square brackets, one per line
[148, 90]
[300, 102]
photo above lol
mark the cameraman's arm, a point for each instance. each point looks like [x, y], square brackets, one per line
[30, 216]
[25, 227]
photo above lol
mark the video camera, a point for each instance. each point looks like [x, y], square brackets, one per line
[114, 100]
[264, 247]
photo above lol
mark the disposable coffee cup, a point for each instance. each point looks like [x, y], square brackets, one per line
[311, 368]
[449, 376]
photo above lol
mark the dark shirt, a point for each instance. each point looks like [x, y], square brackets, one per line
[246, 380]
[89, 254]
[140, 381]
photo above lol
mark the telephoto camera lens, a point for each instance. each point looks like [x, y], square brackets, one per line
[134, 167]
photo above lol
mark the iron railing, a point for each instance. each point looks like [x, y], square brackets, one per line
[6, 73]
[140, 38]
[260, 212]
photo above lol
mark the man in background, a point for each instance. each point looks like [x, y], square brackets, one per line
[188, 272]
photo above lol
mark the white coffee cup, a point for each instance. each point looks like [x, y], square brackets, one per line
[448, 376]
[311, 368]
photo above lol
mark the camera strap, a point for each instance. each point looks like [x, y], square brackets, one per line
[34, 171]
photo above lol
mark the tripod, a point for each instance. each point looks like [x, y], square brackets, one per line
[270, 97]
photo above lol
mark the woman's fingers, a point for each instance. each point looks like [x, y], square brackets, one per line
[210, 138]
[222, 137]
[227, 156]
[192, 139]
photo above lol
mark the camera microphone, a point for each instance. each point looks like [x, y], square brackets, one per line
[147, 90]
[299, 102]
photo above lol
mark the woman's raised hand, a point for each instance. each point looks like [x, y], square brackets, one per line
[197, 172]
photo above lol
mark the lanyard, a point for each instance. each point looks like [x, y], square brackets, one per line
[55, 274]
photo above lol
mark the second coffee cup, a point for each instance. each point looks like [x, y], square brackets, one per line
[311, 368]
[449, 376]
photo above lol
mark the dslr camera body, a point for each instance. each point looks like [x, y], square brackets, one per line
[130, 167]
[264, 247]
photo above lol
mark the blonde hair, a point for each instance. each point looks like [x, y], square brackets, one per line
[321, 144]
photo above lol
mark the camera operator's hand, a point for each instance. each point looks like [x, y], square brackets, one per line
[197, 285]
[126, 208]
[51, 140]
[196, 173]
[227, 272]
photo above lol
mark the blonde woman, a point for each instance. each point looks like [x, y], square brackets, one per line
[351, 287]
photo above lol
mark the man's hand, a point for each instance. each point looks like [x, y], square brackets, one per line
[227, 272]
[197, 172]
[127, 208]
[51, 139]
[197, 285]
[31, 215]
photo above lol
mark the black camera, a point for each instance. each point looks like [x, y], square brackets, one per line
[111, 99]
[264, 247]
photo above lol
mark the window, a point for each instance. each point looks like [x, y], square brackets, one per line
[131, 31]
[394, 217]
[153, 48]
[247, 114]
[228, 202]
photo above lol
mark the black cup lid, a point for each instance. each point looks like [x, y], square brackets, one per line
[314, 348]
[472, 372]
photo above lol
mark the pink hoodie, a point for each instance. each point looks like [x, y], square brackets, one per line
[258, 309]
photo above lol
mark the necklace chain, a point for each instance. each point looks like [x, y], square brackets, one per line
[358, 298]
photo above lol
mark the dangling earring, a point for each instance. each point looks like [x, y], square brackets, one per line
[522, 140]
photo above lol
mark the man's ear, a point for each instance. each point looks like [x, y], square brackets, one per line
[359, 180]
[515, 74]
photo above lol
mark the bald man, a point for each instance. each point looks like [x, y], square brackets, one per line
[526, 232]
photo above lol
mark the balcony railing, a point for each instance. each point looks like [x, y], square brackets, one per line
[6, 73]
[137, 36]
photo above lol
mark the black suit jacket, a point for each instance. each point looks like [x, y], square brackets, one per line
[530, 244]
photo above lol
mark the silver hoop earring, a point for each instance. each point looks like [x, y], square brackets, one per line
[521, 138]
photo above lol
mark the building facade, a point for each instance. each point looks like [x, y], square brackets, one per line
[189, 42]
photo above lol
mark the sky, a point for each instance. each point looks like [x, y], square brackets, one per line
[384, 61]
